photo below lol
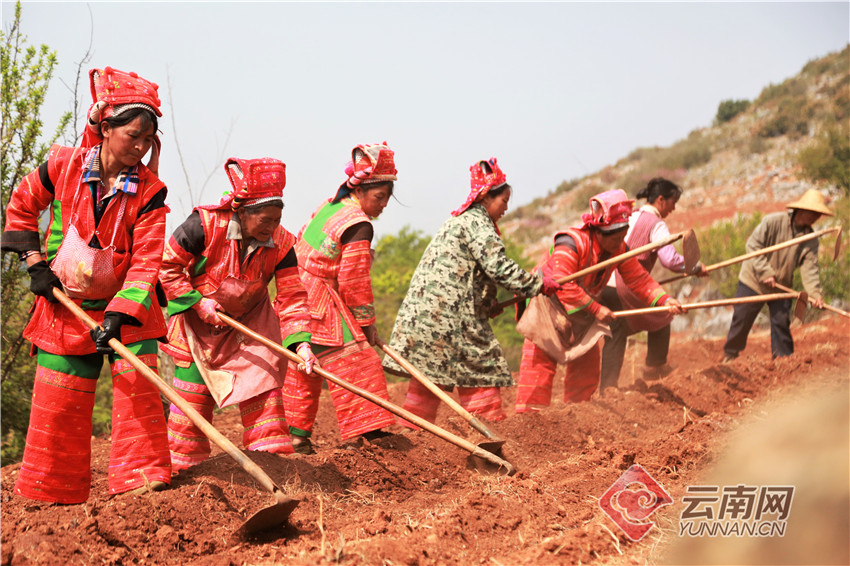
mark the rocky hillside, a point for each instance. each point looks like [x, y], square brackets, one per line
[748, 163]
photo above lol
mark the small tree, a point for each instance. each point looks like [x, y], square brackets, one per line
[728, 109]
[26, 74]
[828, 159]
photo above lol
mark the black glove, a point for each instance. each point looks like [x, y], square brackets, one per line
[43, 280]
[112, 323]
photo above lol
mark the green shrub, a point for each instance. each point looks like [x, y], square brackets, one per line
[828, 159]
[835, 275]
[396, 258]
[793, 88]
[728, 109]
[785, 121]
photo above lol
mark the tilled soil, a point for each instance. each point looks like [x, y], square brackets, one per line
[411, 499]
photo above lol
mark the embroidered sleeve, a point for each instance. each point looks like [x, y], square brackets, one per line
[136, 295]
[355, 284]
[26, 202]
[668, 256]
[290, 303]
[641, 283]
[180, 252]
[565, 261]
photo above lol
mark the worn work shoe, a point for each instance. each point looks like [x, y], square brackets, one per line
[155, 485]
[303, 446]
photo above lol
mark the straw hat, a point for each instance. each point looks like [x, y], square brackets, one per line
[811, 200]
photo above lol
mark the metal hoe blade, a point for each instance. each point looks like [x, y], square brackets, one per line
[690, 250]
[268, 517]
[800, 307]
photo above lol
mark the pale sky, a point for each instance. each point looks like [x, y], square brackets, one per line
[553, 90]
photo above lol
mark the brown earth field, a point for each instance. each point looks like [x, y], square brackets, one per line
[410, 498]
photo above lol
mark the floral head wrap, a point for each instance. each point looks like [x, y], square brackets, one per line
[609, 211]
[370, 163]
[254, 181]
[484, 177]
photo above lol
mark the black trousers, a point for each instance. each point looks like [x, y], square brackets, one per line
[781, 342]
[614, 350]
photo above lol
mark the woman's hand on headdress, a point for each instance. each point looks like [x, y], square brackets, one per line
[96, 115]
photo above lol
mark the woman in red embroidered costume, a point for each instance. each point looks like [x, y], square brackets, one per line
[103, 245]
[645, 226]
[222, 258]
[334, 258]
[600, 238]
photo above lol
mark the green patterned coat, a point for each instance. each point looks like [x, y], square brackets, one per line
[443, 327]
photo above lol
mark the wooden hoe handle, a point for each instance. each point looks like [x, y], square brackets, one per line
[767, 250]
[603, 264]
[438, 391]
[811, 301]
[383, 403]
[169, 393]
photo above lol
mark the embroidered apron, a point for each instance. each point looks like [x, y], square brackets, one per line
[87, 272]
[235, 367]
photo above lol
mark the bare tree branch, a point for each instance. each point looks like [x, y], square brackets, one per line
[177, 142]
[77, 131]
[219, 159]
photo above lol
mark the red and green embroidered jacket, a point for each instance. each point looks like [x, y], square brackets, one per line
[141, 234]
[576, 249]
[336, 275]
[199, 256]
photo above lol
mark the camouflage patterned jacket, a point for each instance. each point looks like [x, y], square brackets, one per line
[443, 324]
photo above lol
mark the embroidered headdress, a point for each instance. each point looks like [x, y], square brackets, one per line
[484, 176]
[370, 163]
[254, 181]
[609, 211]
[114, 92]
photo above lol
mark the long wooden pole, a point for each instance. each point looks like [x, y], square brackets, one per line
[435, 389]
[811, 301]
[767, 250]
[607, 263]
[709, 304]
[369, 396]
[197, 419]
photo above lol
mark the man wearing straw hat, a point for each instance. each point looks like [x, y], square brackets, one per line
[760, 274]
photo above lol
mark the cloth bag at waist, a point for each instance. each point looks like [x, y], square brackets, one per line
[87, 272]
[562, 337]
[235, 367]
